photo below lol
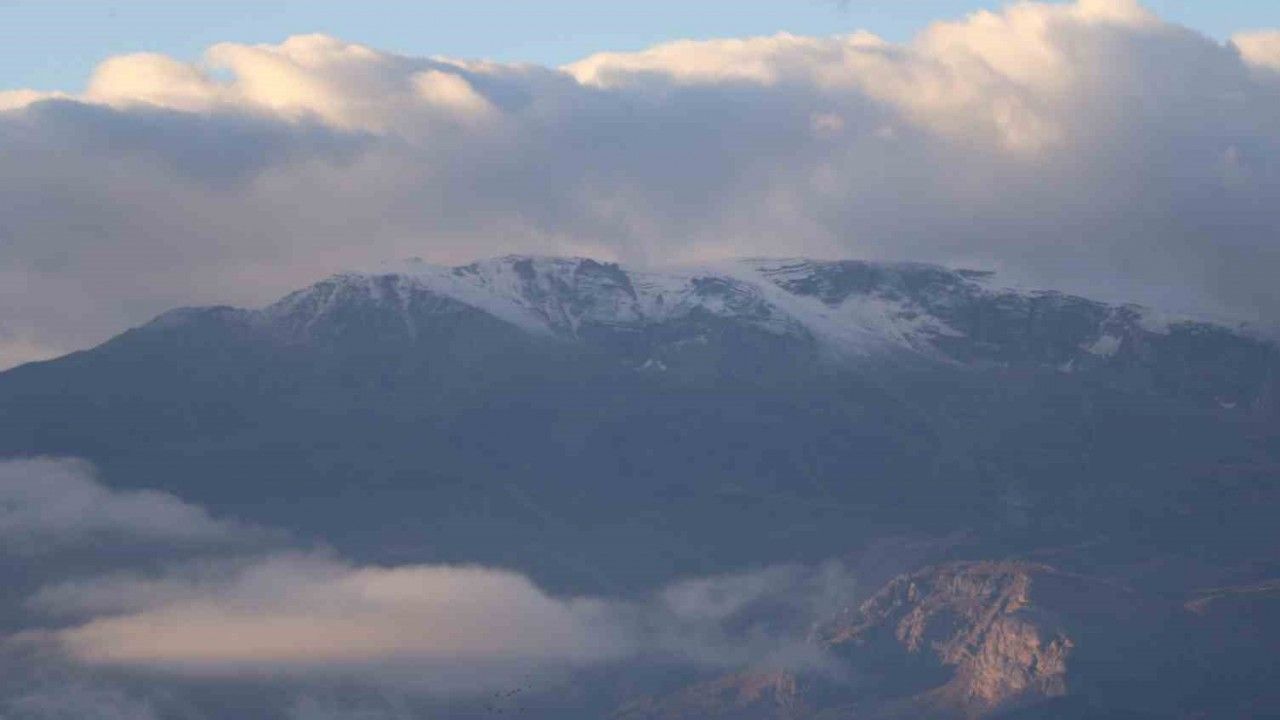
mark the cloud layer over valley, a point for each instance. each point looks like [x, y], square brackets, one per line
[191, 608]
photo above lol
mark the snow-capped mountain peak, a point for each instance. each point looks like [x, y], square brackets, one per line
[560, 297]
[839, 310]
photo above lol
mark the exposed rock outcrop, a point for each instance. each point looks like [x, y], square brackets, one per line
[958, 640]
[983, 622]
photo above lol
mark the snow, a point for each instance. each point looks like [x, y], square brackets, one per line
[535, 300]
[1105, 346]
[653, 364]
[862, 324]
[556, 297]
[493, 289]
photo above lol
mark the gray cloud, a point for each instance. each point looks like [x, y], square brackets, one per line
[54, 504]
[759, 618]
[1088, 146]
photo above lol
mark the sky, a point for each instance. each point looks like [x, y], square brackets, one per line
[54, 45]
[161, 155]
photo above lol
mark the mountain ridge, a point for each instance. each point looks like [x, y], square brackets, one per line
[840, 311]
[647, 399]
[607, 431]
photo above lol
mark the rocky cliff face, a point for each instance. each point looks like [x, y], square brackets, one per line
[1017, 639]
[982, 623]
[957, 640]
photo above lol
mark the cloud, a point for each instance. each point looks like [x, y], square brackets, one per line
[300, 611]
[17, 99]
[307, 613]
[100, 631]
[1088, 146]
[140, 580]
[307, 77]
[759, 618]
[992, 78]
[151, 79]
[51, 504]
[1260, 48]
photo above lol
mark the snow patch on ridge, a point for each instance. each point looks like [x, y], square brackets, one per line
[850, 309]
[1105, 346]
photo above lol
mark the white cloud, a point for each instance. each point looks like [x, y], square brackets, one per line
[152, 79]
[1088, 146]
[307, 612]
[764, 60]
[993, 74]
[449, 90]
[17, 99]
[1260, 48]
[450, 628]
[48, 504]
[307, 77]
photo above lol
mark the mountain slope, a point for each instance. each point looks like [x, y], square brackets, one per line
[605, 427]
[607, 430]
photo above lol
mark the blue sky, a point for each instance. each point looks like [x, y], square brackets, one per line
[55, 44]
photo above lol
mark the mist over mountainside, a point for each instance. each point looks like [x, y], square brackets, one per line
[605, 431]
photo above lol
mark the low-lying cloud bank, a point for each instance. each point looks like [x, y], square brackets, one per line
[51, 504]
[451, 629]
[306, 613]
[274, 611]
[1086, 145]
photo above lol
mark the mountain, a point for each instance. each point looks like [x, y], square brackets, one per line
[837, 312]
[555, 414]
[607, 429]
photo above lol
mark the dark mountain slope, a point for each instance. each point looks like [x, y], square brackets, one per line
[604, 428]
